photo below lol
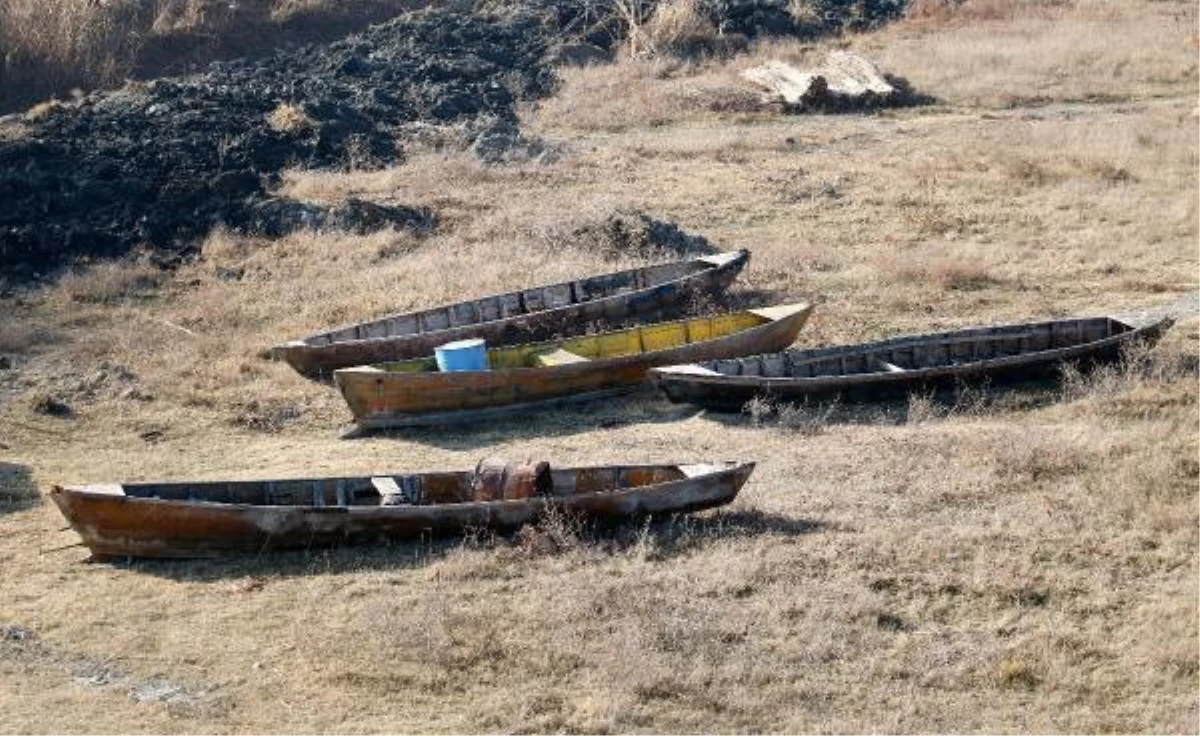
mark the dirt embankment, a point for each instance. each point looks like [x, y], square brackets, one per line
[162, 163]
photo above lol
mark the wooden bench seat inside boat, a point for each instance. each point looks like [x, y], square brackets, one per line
[558, 357]
[390, 492]
[889, 367]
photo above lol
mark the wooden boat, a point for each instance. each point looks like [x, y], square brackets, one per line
[539, 313]
[997, 354]
[415, 393]
[210, 518]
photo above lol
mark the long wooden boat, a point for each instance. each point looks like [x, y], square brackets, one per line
[203, 519]
[524, 377]
[539, 313]
[1001, 354]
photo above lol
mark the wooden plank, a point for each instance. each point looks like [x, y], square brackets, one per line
[559, 357]
[386, 485]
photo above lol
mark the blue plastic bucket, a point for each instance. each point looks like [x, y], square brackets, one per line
[462, 355]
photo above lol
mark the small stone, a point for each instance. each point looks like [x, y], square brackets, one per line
[15, 632]
[151, 436]
[50, 406]
[133, 393]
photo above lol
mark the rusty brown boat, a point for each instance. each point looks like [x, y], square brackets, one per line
[539, 313]
[526, 377]
[999, 354]
[213, 518]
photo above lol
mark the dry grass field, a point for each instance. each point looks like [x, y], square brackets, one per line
[1003, 563]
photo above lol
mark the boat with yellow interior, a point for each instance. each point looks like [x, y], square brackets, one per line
[524, 377]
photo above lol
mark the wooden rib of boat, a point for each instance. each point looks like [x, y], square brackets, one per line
[523, 377]
[539, 313]
[1001, 354]
[204, 519]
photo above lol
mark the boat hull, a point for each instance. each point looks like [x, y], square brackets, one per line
[381, 399]
[730, 393]
[318, 361]
[114, 525]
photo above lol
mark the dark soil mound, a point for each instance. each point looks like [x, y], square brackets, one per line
[162, 163]
[630, 234]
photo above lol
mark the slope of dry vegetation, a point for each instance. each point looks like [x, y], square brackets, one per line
[1016, 562]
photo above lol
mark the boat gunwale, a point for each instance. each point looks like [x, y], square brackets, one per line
[672, 374]
[729, 467]
[737, 260]
[375, 372]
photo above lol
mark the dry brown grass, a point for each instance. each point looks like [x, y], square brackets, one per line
[977, 53]
[1003, 54]
[53, 46]
[673, 28]
[111, 282]
[1019, 565]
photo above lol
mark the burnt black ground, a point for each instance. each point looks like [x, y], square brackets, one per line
[161, 163]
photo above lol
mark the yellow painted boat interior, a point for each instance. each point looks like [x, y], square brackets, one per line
[635, 340]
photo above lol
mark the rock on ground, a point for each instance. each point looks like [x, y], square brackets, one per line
[843, 82]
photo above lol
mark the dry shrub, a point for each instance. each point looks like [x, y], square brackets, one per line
[1017, 674]
[966, 399]
[17, 488]
[213, 16]
[806, 419]
[111, 282]
[806, 13]
[930, 217]
[1033, 173]
[1028, 171]
[1140, 382]
[53, 47]
[50, 46]
[922, 409]
[178, 18]
[959, 275]
[677, 28]
[945, 272]
[268, 414]
[288, 118]
[759, 409]
[1105, 171]
[558, 530]
[1045, 463]
[956, 12]
[222, 248]
[673, 29]
[19, 336]
[633, 16]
